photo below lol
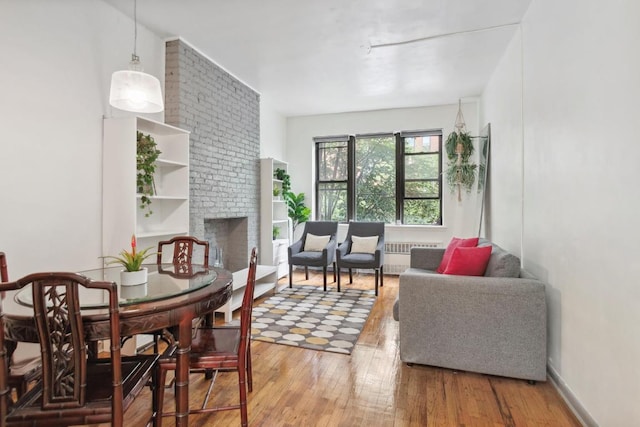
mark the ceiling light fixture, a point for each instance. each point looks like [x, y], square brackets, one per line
[369, 47]
[133, 90]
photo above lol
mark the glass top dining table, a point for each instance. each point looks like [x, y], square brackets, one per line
[163, 281]
[172, 297]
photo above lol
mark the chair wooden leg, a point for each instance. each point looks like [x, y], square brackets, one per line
[249, 370]
[243, 396]
[338, 278]
[334, 272]
[161, 378]
[324, 277]
[350, 276]
[381, 275]
[290, 275]
[306, 273]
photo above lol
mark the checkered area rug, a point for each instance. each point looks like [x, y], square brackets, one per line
[308, 317]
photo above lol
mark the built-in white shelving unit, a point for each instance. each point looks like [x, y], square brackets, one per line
[266, 280]
[273, 213]
[121, 212]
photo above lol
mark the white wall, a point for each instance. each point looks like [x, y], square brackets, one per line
[580, 68]
[55, 77]
[273, 131]
[301, 153]
[501, 106]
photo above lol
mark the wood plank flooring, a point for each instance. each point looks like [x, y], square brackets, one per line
[296, 387]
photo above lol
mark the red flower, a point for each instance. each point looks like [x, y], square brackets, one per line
[133, 244]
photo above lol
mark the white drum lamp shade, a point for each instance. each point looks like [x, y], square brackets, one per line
[136, 91]
[132, 89]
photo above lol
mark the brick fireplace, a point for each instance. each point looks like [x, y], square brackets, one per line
[223, 116]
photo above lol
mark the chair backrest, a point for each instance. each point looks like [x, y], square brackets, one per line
[58, 320]
[365, 229]
[183, 249]
[247, 304]
[4, 275]
[321, 228]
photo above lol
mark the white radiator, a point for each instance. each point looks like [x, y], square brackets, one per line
[397, 254]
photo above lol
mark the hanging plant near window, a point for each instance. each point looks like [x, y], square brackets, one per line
[146, 155]
[461, 174]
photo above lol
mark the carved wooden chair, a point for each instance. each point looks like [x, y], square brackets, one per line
[347, 257]
[319, 255]
[22, 370]
[74, 388]
[183, 249]
[218, 348]
[181, 258]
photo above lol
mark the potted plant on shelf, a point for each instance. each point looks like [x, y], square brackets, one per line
[283, 176]
[276, 192]
[134, 273]
[146, 155]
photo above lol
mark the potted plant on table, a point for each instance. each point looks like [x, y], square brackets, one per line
[134, 273]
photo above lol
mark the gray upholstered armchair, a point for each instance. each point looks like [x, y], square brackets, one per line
[315, 250]
[363, 255]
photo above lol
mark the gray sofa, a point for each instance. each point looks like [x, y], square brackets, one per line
[494, 324]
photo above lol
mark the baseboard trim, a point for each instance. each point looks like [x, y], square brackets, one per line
[570, 398]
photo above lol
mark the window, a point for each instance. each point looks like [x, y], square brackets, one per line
[332, 178]
[394, 178]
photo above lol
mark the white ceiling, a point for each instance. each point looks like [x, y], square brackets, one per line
[312, 57]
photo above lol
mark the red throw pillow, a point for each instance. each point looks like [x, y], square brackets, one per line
[469, 261]
[455, 243]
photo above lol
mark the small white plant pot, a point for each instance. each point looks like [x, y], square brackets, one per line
[132, 278]
[134, 291]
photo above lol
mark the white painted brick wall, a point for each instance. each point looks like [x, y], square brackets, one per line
[223, 116]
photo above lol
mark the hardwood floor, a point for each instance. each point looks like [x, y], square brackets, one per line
[371, 387]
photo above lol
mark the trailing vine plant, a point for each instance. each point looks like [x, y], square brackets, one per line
[283, 176]
[146, 155]
[461, 174]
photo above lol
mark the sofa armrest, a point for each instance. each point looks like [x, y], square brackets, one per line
[492, 325]
[426, 258]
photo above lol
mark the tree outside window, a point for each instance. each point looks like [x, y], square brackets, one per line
[394, 178]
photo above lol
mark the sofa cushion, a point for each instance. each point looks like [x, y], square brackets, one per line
[454, 243]
[469, 261]
[502, 264]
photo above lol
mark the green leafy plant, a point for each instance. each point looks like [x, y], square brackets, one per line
[146, 155]
[276, 232]
[461, 174]
[276, 191]
[296, 208]
[131, 261]
[283, 176]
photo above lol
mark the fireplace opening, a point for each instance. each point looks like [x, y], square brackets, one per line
[228, 242]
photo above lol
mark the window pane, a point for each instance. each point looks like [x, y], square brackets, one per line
[421, 189]
[376, 179]
[422, 212]
[422, 166]
[333, 161]
[422, 144]
[332, 201]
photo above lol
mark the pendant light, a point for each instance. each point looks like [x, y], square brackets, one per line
[132, 89]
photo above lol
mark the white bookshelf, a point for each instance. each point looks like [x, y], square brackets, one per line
[273, 213]
[121, 211]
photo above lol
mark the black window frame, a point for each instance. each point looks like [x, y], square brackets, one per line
[400, 170]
